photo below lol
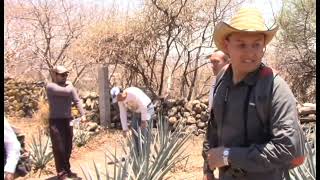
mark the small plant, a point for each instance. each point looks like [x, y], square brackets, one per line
[81, 137]
[40, 151]
[152, 158]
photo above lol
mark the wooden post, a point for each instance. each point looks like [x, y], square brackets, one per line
[104, 96]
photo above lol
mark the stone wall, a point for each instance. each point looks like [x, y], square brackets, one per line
[21, 99]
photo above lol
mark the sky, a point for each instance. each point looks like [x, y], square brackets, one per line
[263, 5]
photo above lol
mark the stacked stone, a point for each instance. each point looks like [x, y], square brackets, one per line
[21, 98]
[90, 102]
[193, 113]
[307, 112]
[307, 115]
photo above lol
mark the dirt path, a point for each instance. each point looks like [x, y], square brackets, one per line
[95, 149]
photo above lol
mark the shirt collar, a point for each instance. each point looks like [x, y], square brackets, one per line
[250, 79]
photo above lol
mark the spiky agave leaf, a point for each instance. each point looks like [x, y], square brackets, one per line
[41, 154]
[159, 152]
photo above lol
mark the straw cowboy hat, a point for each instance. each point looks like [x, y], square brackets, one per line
[245, 20]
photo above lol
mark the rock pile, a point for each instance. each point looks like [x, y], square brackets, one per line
[21, 98]
[90, 102]
[307, 112]
[193, 113]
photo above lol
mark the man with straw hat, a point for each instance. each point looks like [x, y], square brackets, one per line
[253, 130]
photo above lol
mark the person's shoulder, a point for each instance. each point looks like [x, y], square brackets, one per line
[50, 85]
[279, 81]
[133, 89]
[268, 74]
[281, 87]
[267, 71]
[69, 85]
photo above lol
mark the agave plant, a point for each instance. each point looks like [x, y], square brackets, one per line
[81, 137]
[308, 169]
[40, 152]
[152, 158]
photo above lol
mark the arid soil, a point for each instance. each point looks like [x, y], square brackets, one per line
[95, 150]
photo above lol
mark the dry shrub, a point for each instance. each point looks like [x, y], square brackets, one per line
[42, 115]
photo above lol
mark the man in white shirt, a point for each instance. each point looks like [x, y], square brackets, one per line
[11, 151]
[218, 60]
[135, 100]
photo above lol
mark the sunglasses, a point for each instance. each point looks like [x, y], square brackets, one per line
[63, 75]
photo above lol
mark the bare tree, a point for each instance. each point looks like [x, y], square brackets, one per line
[296, 47]
[49, 28]
[165, 41]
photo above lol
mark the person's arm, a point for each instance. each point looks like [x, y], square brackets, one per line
[12, 147]
[123, 116]
[77, 101]
[210, 141]
[285, 136]
[55, 89]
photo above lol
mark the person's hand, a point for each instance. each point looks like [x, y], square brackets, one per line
[208, 176]
[69, 83]
[8, 176]
[215, 157]
[84, 119]
[144, 124]
[125, 133]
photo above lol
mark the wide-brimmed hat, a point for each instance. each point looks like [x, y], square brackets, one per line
[245, 20]
[60, 69]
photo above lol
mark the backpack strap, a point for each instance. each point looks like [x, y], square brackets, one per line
[262, 100]
[245, 116]
[263, 94]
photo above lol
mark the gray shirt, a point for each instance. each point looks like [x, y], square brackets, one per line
[60, 100]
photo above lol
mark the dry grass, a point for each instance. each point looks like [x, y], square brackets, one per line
[42, 115]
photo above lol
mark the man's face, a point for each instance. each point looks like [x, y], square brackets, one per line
[217, 61]
[61, 78]
[121, 97]
[245, 50]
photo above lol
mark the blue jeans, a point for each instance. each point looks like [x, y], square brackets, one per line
[135, 124]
